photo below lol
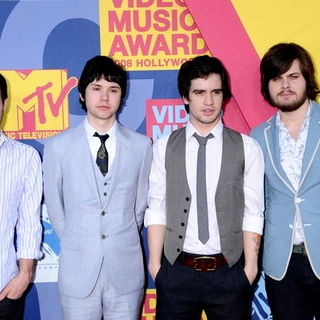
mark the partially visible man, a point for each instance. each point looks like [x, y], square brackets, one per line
[20, 227]
[205, 206]
[290, 141]
[95, 186]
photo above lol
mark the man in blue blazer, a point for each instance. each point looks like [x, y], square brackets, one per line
[291, 144]
[95, 184]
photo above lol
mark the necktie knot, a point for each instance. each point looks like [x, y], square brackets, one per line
[203, 140]
[102, 137]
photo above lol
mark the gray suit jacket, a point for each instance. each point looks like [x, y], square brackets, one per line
[80, 218]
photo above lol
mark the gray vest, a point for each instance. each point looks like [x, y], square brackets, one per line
[103, 183]
[229, 197]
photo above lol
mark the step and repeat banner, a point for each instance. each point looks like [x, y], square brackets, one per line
[44, 45]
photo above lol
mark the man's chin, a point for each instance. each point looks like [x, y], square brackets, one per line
[290, 107]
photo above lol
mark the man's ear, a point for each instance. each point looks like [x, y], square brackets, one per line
[185, 100]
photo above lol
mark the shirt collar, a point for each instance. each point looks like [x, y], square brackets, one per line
[90, 130]
[216, 131]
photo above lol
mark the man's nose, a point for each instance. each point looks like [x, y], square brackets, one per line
[208, 99]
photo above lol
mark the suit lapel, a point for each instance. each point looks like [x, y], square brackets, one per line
[81, 151]
[312, 143]
[271, 135]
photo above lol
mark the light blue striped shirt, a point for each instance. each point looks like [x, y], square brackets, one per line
[20, 197]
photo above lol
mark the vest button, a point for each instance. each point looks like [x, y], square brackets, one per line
[187, 199]
[104, 193]
[185, 210]
[182, 224]
[180, 237]
[103, 213]
[178, 250]
[105, 184]
[103, 236]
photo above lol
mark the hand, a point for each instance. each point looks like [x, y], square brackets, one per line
[153, 270]
[16, 287]
[251, 273]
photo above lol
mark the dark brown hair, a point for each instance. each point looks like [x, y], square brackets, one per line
[279, 59]
[102, 67]
[202, 67]
[3, 88]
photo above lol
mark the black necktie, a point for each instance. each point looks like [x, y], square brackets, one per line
[102, 154]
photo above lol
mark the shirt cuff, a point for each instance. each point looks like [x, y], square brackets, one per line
[253, 224]
[29, 254]
[153, 217]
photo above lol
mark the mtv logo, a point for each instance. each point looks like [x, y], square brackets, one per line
[38, 102]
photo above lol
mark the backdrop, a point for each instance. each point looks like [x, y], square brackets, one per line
[44, 45]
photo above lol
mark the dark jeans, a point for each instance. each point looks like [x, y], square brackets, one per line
[183, 293]
[11, 309]
[297, 295]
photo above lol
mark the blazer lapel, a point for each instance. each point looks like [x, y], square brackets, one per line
[271, 135]
[82, 153]
[312, 143]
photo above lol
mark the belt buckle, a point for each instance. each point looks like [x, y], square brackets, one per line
[300, 248]
[199, 263]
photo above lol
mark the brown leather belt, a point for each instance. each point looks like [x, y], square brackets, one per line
[202, 263]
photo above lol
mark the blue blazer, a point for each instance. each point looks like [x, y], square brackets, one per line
[283, 203]
[80, 218]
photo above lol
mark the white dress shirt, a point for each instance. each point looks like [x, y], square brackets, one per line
[291, 157]
[253, 187]
[20, 197]
[95, 143]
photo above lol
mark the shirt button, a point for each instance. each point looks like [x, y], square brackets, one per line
[105, 184]
[103, 213]
[104, 193]
[298, 200]
[103, 236]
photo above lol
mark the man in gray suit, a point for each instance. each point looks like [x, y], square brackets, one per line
[205, 206]
[95, 184]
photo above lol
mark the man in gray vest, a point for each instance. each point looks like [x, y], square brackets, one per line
[205, 206]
